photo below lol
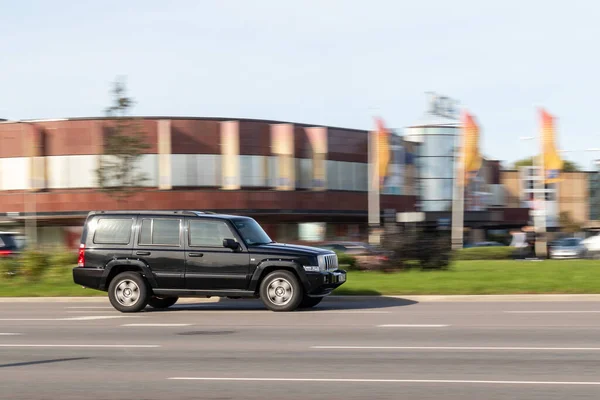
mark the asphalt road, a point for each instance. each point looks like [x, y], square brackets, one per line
[343, 349]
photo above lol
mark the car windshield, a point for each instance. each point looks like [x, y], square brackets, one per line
[569, 242]
[252, 233]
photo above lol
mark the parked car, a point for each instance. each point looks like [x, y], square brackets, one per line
[484, 244]
[592, 246]
[568, 248]
[366, 256]
[154, 257]
[8, 244]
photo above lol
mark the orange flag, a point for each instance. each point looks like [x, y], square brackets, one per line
[470, 156]
[383, 150]
[553, 163]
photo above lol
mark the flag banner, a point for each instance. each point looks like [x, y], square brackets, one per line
[383, 151]
[230, 155]
[282, 146]
[553, 163]
[318, 141]
[164, 154]
[471, 156]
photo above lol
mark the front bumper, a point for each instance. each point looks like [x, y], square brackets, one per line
[324, 282]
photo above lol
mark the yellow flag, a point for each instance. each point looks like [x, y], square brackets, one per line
[470, 156]
[383, 151]
[553, 163]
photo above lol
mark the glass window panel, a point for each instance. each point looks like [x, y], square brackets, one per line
[437, 189]
[146, 232]
[209, 233]
[438, 146]
[113, 231]
[436, 167]
[165, 231]
[361, 176]
[332, 175]
[345, 175]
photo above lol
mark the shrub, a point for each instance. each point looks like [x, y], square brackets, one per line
[9, 267]
[61, 263]
[346, 261]
[33, 264]
[484, 253]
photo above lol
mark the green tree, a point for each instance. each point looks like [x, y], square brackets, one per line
[567, 224]
[124, 143]
[568, 166]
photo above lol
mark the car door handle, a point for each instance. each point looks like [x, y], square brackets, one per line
[143, 253]
[195, 254]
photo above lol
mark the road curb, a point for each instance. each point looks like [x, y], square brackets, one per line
[346, 298]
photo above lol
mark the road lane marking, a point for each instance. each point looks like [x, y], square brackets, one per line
[349, 380]
[553, 312]
[10, 334]
[485, 348]
[412, 326]
[83, 318]
[116, 346]
[155, 325]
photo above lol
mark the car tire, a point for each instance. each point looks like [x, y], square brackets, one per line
[281, 291]
[310, 302]
[162, 302]
[128, 292]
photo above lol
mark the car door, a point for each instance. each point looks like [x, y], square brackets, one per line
[209, 265]
[160, 244]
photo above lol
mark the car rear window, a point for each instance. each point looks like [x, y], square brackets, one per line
[113, 231]
[7, 242]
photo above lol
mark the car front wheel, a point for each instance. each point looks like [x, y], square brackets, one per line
[162, 302]
[281, 291]
[309, 302]
[128, 292]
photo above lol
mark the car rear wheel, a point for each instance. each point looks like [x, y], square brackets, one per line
[162, 302]
[128, 292]
[281, 291]
[309, 302]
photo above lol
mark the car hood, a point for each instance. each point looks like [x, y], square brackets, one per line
[290, 249]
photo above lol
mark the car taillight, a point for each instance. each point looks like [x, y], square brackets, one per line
[81, 258]
[5, 252]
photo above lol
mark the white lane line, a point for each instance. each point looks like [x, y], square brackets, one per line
[484, 348]
[116, 346]
[412, 326]
[156, 325]
[553, 312]
[84, 318]
[9, 334]
[348, 380]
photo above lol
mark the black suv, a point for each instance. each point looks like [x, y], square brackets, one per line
[154, 257]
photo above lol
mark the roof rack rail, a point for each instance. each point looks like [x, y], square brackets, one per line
[158, 212]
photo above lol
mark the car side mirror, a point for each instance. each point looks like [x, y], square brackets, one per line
[231, 244]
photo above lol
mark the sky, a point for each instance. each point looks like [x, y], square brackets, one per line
[325, 62]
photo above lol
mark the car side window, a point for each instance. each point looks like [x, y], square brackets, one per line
[113, 231]
[205, 233]
[160, 231]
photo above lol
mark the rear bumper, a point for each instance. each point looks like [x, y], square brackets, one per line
[88, 277]
[323, 283]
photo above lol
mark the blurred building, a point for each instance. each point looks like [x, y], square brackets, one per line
[576, 195]
[437, 134]
[301, 182]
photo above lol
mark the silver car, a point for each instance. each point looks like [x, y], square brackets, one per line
[568, 248]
